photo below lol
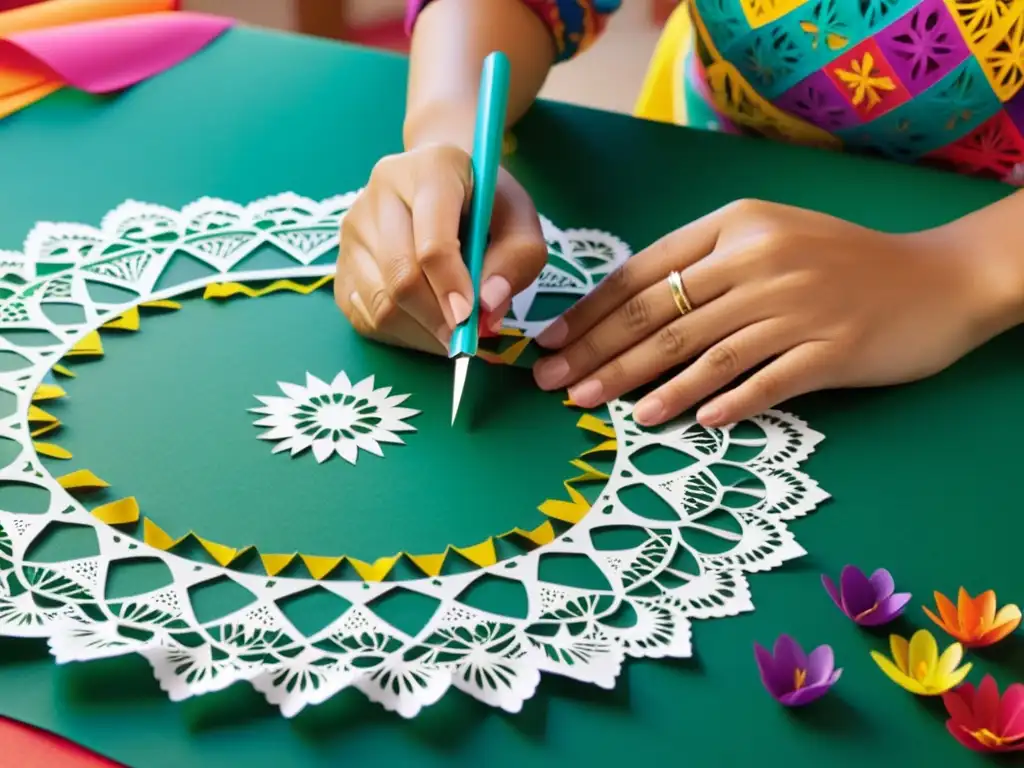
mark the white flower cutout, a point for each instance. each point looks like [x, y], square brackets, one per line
[333, 418]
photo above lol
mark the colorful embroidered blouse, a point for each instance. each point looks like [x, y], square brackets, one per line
[928, 81]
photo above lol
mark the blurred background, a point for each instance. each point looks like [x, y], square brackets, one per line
[606, 77]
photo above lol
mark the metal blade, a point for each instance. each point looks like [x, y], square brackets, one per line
[461, 369]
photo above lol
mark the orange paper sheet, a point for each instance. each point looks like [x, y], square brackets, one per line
[54, 13]
[21, 87]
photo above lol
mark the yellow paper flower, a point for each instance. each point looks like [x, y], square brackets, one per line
[918, 666]
[865, 80]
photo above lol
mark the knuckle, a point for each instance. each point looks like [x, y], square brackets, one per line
[619, 281]
[636, 313]
[770, 251]
[587, 351]
[777, 241]
[348, 232]
[448, 155]
[433, 253]
[671, 340]
[533, 252]
[349, 229]
[766, 389]
[384, 168]
[746, 207]
[614, 374]
[724, 360]
[403, 278]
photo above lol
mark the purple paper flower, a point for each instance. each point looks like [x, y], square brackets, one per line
[792, 677]
[869, 602]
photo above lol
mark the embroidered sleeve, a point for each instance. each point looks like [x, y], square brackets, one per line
[574, 24]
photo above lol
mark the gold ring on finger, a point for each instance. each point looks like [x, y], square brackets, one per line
[675, 284]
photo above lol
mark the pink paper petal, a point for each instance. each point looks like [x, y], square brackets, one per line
[986, 703]
[958, 704]
[1011, 722]
[10, 5]
[964, 737]
[110, 54]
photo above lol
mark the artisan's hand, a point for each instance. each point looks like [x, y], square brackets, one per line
[401, 278]
[822, 302]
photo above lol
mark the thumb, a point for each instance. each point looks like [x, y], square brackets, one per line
[517, 251]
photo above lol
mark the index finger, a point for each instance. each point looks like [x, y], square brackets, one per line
[675, 251]
[436, 214]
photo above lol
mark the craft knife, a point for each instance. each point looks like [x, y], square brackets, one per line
[487, 140]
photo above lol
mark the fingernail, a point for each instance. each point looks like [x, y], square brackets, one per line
[648, 411]
[494, 291]
[554, 334]
[710, 416]
[550, 372]
[357, 302]
[587, 394]
[460, 307]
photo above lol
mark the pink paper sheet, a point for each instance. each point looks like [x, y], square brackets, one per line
[110, 54]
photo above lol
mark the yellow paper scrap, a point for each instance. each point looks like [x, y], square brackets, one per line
[319, 566]
[82, 480]
[375, 571]
[430, 564]
[120, 512]
[45, 429]
[591, 423]
[567, 511]
[274, 564]
[542, 534]
[89, 345]
[48, 392]
[52, 451]
[63, 371]
[155, 536]
[219, 552]
[481, 554]
[161, 304]
[589, 472]
[129, 321]
[607, 445]
[37, 415]
[227, 290]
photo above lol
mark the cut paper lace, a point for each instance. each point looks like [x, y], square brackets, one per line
[339, 417]
[563, 513]
[127, 513]
[685, 514]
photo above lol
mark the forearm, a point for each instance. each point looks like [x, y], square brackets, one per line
[450, 41]
[993, 237]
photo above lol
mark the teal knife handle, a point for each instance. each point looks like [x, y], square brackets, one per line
[487, 143]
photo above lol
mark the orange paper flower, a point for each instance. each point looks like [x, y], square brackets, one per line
[974, 621]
